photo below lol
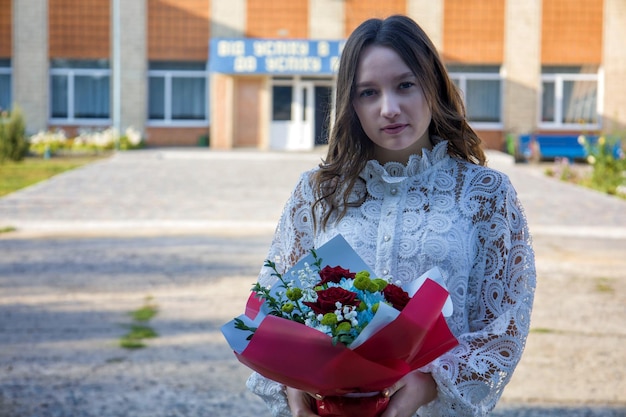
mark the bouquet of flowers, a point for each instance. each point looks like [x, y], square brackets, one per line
[340, 332]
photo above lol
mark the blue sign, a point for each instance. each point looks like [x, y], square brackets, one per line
[275, 56]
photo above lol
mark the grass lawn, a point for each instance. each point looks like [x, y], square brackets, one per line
[17, 175]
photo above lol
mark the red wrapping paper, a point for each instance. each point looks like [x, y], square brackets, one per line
[372, 406]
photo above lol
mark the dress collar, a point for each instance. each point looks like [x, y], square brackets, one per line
[394, 172]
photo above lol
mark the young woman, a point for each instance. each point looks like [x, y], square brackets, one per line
[404, 182]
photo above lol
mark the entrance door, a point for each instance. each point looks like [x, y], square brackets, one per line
[299, 114]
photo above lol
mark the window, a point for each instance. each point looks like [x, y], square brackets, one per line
[481, 86]
[178, 94]
[80, 92]
[5, 84]
[281, 102]
[569, 98]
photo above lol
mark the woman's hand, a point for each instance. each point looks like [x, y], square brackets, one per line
[410, 393]
[300, 403]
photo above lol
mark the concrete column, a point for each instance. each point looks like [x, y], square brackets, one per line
[614, 62]
[30, 62]
[222, 111]
[327, 19]
[429, 15]
[133, 81]
[522, 65]
[228, 18]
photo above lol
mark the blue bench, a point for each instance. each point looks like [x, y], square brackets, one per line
[558, 146]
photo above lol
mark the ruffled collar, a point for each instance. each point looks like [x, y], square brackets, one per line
[394, 172]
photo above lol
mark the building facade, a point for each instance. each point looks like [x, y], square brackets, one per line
[260, 73]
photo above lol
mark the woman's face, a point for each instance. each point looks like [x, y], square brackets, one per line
[390, 105]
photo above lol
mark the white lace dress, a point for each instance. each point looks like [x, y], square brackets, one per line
[434, 211]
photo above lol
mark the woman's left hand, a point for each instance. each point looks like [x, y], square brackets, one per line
[410, 393]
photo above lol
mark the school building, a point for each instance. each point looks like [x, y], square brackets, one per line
[260, 73]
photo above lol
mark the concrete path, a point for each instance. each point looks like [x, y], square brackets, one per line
[188, 230]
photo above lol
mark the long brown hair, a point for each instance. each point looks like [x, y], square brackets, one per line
[349, 147]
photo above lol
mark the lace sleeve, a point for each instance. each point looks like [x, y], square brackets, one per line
[292, 240]
[293, 237]
[500, 294]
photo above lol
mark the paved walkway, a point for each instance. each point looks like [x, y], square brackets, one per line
[189, 229]
[201, 191]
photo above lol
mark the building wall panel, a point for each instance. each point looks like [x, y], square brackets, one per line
[6, 12]
[571, 32]
[178, 30]
[277, 19]
[247, 111]
[474, 31]
[359, 10]
[79, 29]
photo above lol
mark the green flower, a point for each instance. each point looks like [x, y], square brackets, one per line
[380, 283]
[329, 319]
[375, 307]
[288, 307]
[344, 327]
[362, 281]
[294, 294]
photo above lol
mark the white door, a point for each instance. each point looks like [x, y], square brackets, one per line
[293, 116]
[302, 138]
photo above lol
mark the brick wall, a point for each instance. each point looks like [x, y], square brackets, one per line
[359, 10]
[186, 136]
[277, 19]
[79, 29]
[178, 30]
[6, 12]
[474, 31]
[571, 32]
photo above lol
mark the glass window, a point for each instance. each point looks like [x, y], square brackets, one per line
[482, 99]
[80, 91]
[569, 97]
[91, 97]
[281, 102]
[156, 108]
[59, 96]
[481, 87]
[5, 84]
[178, 93]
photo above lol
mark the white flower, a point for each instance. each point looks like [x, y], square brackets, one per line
[133, 136]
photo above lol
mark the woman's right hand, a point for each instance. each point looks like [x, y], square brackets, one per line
[300, 403]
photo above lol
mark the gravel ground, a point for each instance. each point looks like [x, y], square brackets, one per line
[65, 295]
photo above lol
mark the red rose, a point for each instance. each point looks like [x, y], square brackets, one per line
[334, 274]
[326, 300]
[396, 296]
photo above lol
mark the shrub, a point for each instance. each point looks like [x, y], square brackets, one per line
[13, 142]
[608, 162]
[48, 141]
[90, 141]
